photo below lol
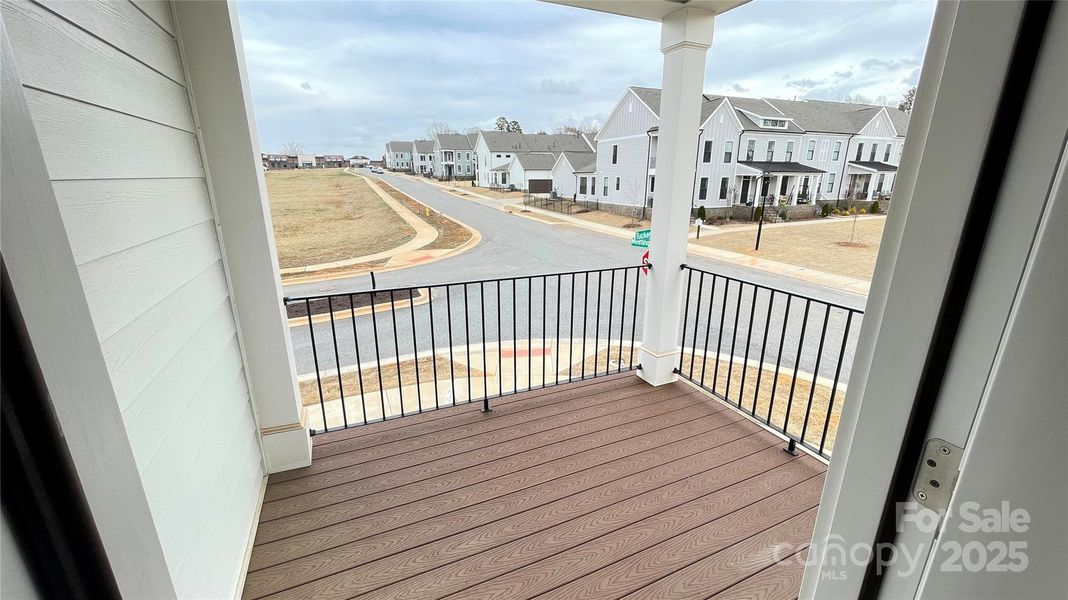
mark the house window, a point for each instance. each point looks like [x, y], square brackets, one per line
[789, 151]
[874, 151]
[879, 185]
[777, 123]
[582, 185]
[811, 154]
[652, 182]
[604, 185]
[723, 188]
[750, 150]
[830, 182]
[837, 151]
[615, 153]
[771, 152]
[617, 184]
[703, 193]
[468, 169]
[706, 156]
[498, 156]
[468, 156]
[886, 154]
[860, 152]
[728, 151]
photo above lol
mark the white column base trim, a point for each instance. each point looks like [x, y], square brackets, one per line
[658, 368]
[287, 446]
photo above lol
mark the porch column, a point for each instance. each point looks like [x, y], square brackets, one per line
[211, 50]
[685, 38]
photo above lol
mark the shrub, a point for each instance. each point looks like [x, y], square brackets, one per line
[863, 211]
[875, 207]
[783, 214]
[758, 213]
[701, 214]
[825, 210]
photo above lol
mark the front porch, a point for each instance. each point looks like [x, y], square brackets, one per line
[605, 487]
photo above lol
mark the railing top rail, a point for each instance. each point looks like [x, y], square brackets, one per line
[295, 299]
[859, 311]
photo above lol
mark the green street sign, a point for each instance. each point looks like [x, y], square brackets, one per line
[641, 238]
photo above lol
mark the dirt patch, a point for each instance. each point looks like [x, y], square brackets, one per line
[451, 235]
[832, 245]
[326, 215]
[309, 389]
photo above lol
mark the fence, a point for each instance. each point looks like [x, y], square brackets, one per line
[381, 354]
[792, 352]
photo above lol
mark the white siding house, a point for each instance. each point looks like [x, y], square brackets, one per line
[399, 156]
[102, 94]
[423, 157]
[454, 156]
[496, 149]
[569, 169]
[793, 151]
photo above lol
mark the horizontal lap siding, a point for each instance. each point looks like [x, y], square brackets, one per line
[104, 84]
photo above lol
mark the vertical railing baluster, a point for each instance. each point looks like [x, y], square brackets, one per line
[500, 344]
[797, 365]
[585, 305]
[415, 350]
[815, 371]
[708, 329]
[571, 345]
[544, 298]
[778, 359]
[515, 340]
[685, 319]
[834, 386]
[597, 326]
[696, 320]
[748, 339]
[734, 339]
[608, 336]
[530, 334]
[396, 350]
[622, 319]
[467, 342]
[337, 360]
[378, 356]
[359, 363]
[485, 364]
[433, 344]
[719, 342]
[556, 347]
[763, 349]
[634, 318]
[452, 361]
[315, 358]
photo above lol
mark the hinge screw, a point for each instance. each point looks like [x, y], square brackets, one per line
[921, 495]
[944, 450]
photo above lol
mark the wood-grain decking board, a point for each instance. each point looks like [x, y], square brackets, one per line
[598, 489]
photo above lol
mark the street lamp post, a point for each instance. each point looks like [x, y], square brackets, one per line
[763, 209]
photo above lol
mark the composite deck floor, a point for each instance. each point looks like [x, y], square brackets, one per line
[605, 488]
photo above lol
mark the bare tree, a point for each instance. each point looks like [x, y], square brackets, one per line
[436, 128]
[573, 129]
[853, 99]
[292, 148]
[907, 100]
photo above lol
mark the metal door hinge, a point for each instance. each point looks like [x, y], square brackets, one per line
[937, 474]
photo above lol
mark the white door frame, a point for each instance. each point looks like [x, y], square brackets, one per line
[895, 397]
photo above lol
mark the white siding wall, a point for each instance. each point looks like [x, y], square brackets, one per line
[630, 167]
[563, 179]
[720, 128]
[488, 160]
[115, 125]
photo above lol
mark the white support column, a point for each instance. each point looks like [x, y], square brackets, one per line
[685, 38]
[210, 43]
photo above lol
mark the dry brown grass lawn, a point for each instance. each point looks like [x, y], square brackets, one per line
[451, 234]
[823, 246]
[324, 215]
[309, 389]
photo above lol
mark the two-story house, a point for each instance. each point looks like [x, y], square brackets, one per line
[423, 157]
[454, 156]
[498, 150]
[749, 148]
[398, 156]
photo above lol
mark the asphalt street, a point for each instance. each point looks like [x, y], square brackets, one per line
[513, 246]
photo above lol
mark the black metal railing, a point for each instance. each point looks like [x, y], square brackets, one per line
[782, 358]
[385, 353]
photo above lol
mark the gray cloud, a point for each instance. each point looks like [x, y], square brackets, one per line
[384, 70]
[840, 75]
[803, 84]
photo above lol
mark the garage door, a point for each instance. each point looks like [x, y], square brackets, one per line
[540, 186]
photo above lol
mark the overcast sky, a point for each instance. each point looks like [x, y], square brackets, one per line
[345, 77]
